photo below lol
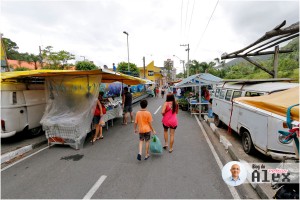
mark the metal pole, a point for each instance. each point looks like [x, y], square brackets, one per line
[188, 58]
[127, 49]
[183, 67]
[128, 53]
[188, 64]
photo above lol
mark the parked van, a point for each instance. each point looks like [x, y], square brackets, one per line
[242, 120]
[22, 107]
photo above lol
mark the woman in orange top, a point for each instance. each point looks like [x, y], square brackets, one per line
[143, 121]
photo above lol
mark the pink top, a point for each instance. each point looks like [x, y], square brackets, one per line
[169, 119]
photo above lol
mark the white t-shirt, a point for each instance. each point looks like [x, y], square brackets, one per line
[179, 92]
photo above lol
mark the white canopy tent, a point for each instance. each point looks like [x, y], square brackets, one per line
[199, 80]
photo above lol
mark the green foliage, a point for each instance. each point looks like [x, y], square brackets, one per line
[288, 66]
[11, 49]
[182, 102]
[21, 69]
[180, 75]
[56, 60]
[85, 65]
[123, 68]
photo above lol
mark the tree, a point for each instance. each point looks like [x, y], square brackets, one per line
[11, 49]
[56, 60]
[123, 68]
[180, 75]
[85, 65]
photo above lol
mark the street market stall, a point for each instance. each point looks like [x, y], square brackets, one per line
[196, 104]
[71, 100]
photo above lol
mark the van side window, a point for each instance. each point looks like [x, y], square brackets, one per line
[253, 94]
[222, 94]
[217, 92]
[14, 97]
[228, 95]
[236, 94]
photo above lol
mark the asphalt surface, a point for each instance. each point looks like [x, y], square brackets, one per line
[61, 172]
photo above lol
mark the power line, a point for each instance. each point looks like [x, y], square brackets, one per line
[191, 18]
[207, 25]
[181, 19]
[187, 7]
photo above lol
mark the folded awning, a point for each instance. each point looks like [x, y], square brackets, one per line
[276, 103]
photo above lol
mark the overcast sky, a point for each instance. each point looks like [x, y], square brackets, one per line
[156, 28]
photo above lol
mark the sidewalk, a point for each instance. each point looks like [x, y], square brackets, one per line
[233, 145]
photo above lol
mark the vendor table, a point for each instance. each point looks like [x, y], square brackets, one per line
[112, 114]
[194, 104]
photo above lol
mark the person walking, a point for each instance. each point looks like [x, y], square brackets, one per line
[157, 91]
[162, 91]
[143, 126]
[96, 120]
[169, 120]
[127, 105]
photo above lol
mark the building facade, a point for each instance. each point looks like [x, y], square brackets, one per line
[153, 73]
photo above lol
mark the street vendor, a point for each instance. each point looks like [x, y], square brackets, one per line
[205, 93]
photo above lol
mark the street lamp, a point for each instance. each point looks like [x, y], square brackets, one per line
[83, 58]
[127, 49]
[181, 61]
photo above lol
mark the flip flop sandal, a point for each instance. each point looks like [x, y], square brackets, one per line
[100, 138]
[93, 140]
[146, 158]
[165, 147]
[171, 150]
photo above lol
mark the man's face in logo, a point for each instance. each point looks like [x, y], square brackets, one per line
[235, 170]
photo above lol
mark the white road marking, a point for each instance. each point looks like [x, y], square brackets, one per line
[232, 190]
[157, 110]
[24, 158]
[95, 187]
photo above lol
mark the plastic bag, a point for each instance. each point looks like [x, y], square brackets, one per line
[155, 145]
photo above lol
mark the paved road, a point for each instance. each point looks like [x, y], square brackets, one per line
[61, 172]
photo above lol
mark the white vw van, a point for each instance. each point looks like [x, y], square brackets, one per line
[22, 107]
[253, 128]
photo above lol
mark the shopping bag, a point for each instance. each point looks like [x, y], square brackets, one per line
[155, 145]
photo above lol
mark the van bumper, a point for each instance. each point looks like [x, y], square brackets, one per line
[281, 156]
[8, 134]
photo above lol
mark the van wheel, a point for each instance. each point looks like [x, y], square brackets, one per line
[35, 132]
[217, 121]
[247, 142]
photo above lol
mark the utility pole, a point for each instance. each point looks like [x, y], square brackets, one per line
[126, 33]
[188, 58]
[41, 57]
[182, 61]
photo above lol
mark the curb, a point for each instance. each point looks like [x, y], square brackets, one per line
[231, 150]
[7, 157]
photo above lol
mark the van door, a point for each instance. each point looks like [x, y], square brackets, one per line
[235, 112]
[35, 103]
[256, 124]
[13, 111]
[225, 105]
